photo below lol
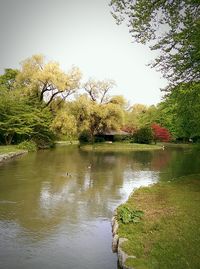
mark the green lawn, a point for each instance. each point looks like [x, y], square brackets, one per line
[168, 236]
[116, 146]
[8, 149]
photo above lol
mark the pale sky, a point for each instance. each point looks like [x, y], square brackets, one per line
[81, 33]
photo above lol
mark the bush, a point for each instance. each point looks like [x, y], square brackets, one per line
[121, 138]
[126, 215]
[99, 139]
[143, 135]
[85, 137]
[28, 145]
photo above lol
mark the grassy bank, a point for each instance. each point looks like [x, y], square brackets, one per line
[116, 146]
[9, 149]
[168, 235]
[177, 145]
[62, 142]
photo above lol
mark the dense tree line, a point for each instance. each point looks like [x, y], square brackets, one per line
[171, 27]
[34, 107]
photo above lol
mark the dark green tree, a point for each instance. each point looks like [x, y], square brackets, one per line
[182, 110]
[143, 135]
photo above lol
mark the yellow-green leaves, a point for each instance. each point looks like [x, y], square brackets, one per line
[98, 89]
[64, 123]
[48, 80]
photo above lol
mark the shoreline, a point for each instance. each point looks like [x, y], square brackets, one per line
[11, 155]
[169, 213]
[117, 244]
[119, 146]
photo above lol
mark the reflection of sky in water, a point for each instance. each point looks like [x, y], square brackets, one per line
[71, 192]
[50, 200]
[134, 180]
[58, 215]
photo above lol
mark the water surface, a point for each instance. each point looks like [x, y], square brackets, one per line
[56, 205]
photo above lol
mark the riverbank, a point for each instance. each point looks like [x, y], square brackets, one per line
[119, 146]
[168, 235]
[10, 152]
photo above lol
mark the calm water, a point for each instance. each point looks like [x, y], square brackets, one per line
[56, 206]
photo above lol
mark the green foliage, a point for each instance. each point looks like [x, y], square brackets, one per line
[143, 136]
[64, 123]
[85, 137]
[22, 118]
[99, 139]
[27, 145]
[47, 80]
[96, 118]
[168, 236]
[127, 215]
[121, 138]
[119, 100]
[7, 80]
[171, 27]
[180, 111]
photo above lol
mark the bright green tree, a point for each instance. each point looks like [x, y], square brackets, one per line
[182, 110]
[23, 119]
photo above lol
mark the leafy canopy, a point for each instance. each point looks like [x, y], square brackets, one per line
[47, 80]
[169, 26]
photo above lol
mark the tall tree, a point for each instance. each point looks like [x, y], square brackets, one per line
[172, 28]
[98, 89]
[65, 124]
[21, 119]
[183, 108]
[47, 80]
[96, 118]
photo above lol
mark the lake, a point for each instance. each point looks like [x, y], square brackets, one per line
[56, 205]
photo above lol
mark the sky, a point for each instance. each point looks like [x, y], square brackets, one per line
[79, 33]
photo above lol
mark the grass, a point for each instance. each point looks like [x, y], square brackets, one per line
[9, 149]
[116, 146]
[168, 236]
[177, 145]
[62, 142]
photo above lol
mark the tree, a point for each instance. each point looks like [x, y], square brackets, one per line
[13, 113]
[143, 135]
[182, 107]
[104, 117]
[160, 133]
[135, 115]
[47, 80]
[119, 100]
[93, 118]
[8, 79]
[81, 110]
[65, 124]
[24, 119]
[172, 28]
[98, 89]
